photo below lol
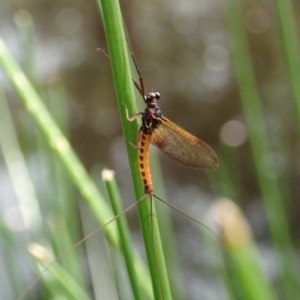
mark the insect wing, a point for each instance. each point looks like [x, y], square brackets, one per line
[182, 147]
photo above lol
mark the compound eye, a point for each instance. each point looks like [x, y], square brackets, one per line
[157, 95]
[151, 95]
[147, 98]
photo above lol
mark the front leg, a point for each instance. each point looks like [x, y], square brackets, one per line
[132, 118]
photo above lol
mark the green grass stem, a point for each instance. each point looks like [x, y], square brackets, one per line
[250, 101]
[117, 48]
[125, 238]
[249, 279]
[291, 49]
[18, 170]
[67, 285]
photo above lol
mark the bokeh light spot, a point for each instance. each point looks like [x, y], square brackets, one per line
[233, 133]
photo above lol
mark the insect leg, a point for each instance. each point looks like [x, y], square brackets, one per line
[132, 118]
[138, 143]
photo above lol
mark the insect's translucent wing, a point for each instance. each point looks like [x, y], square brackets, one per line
[183, 147]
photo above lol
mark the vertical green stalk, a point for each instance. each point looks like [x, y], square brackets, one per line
[252, 110]
[166, 230]
[117, 48]
[291, 49]
[240, 250]
[18, 171]
[125, 239]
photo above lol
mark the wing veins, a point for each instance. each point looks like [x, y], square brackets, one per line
[183, 147]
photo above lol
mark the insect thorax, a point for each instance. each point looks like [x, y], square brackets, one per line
[150, 123]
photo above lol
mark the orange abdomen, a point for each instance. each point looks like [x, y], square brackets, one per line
[144, 167]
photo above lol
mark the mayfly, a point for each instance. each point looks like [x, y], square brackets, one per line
[173, 141]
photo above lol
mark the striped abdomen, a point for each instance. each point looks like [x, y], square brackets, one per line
[144, 144]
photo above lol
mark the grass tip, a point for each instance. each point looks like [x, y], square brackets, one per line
[107, 175]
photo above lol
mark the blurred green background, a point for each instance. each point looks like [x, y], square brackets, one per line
[227, 72]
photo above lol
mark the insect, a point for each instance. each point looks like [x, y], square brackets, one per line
[173, 141]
